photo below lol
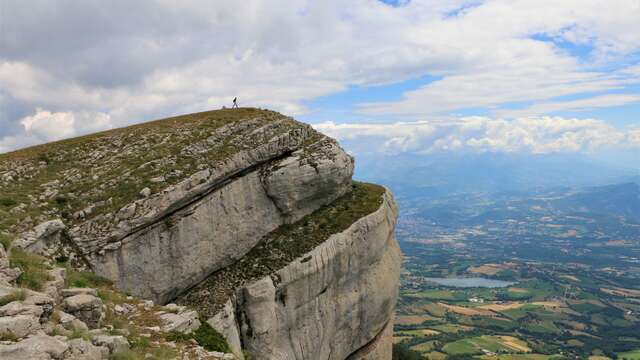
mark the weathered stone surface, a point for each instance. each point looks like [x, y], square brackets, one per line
[185, 321]
[200, 217]
[225, 323]
[65, 293]
[8, 275]
[309, 178]
[350, 283]
[80, 349]
[53, 286]
[381, 347]
[244, 201]
[85, 307]
[20, 325]
[37, 347]
[44, 239]
[70, 322]
[113, 343]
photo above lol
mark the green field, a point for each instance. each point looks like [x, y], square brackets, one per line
[478, 344]
[630, 355]
[548, 311]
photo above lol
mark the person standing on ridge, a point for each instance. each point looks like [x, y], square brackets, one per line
[235, 103]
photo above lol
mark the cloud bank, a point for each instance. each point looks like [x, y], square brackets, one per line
[126, 62]
[482, 134]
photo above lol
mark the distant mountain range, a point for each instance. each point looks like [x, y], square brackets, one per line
[619, 199]
[436, 175]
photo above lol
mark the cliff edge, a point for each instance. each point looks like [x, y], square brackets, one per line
[247, 217]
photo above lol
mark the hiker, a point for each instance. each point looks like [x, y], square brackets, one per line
[235, 103]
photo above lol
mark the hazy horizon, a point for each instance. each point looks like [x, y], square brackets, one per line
[523, 77]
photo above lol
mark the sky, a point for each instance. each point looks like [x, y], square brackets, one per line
[420, 76]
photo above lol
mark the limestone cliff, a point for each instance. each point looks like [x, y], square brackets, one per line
[247, 216]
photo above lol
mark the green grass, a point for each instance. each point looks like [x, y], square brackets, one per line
[7, 201]
[79, 334]
[83, 279]
[16, 295]
[586, 308]
[449, 328]
[206, 336]
[34, 270]
[464, 346]
[542, 327]
[5, 240]
[492, 323]
[437, 295]
[630, 355]
[519, 313]
[475, 345]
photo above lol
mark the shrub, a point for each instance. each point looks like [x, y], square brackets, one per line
[7, 202]
[126, 355]
[5, 240]
[8, 336]
[84, 279]
[79, 334]
[206, 336]
[402, 352]
[17, 295]
[34, 270]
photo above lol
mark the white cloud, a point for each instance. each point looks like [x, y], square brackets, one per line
[45, 126]
[165, 57]
[481, 134]
[591, 103]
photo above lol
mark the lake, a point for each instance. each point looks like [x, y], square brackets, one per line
[471, 282]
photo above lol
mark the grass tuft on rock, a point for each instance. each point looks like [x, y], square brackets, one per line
[83, 279]
[206, 336]
[16, 295]
[5, 240]
[34, 269]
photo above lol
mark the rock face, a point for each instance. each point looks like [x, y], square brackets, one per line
[332, 302]
[179, 200]
[253, 193]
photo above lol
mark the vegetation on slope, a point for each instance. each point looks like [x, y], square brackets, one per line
[104, 171]
[284, 245]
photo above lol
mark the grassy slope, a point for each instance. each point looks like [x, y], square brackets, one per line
[106, 165]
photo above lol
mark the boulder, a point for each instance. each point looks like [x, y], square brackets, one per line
[53, 286]
[309, 178]
[185, 322]
[44, 301]
[20, 308]
[80, 349]
[36, 347]
[71, 323]
[20, 325]
[65, 293]
[115, 344]
[85, 307]
[8, 275]
[44, 239]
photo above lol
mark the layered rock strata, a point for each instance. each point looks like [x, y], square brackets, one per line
[327, 304]
[206, 191]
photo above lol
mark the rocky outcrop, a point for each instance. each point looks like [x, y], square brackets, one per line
[202, 197]
[33, 325]
[328, 304]
[214, 217]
